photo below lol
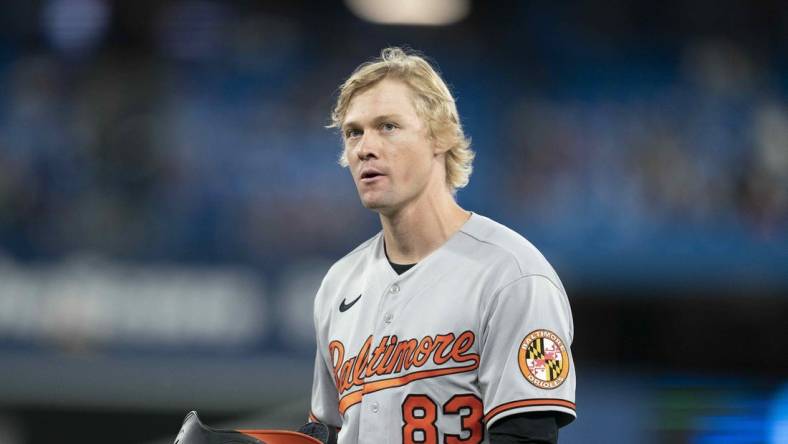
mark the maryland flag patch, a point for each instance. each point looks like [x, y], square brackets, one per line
[543, 359]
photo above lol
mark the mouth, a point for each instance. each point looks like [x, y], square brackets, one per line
[369, 176]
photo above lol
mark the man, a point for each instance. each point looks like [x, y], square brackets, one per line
[445, 327]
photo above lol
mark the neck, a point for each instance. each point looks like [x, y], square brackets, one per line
[418, 229]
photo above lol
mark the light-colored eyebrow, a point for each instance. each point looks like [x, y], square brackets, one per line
[376, 121]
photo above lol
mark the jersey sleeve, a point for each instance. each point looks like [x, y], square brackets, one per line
[324, 406]
[526, 362]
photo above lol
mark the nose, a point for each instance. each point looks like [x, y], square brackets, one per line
[369, 146]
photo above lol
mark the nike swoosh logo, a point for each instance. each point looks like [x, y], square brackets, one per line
[343, 307]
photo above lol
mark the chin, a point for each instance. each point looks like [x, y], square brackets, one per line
[376, 203]
[382, 208]
[373, 204]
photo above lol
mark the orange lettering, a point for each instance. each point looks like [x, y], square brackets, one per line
[337, 352]
[424, 351]
[404, 354]
[377, 357]
[463, 344]
[346, 375]
[393, 356]
[443, 342]
[388, 358]
[361, 362]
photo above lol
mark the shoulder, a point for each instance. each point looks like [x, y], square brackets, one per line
[353, 259]
[507, 251]
[517, 271]
[347, 268]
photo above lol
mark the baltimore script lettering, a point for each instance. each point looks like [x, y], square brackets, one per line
[393, 356]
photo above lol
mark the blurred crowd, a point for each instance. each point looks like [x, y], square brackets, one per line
[210, 144]
[169, 194]
[705, 152]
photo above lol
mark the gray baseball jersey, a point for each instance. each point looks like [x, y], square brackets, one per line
[478, 330]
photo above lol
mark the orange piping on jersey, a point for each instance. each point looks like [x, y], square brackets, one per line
[528, 403]
[349, 400]
[393, 356]
[399, 381]
[383, 384]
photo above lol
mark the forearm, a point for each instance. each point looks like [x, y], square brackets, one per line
[525, 428]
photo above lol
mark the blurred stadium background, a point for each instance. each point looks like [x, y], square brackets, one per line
[170, 200]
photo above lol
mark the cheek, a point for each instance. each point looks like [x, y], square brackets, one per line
[413, 166]
[346, 153]
[349, 160]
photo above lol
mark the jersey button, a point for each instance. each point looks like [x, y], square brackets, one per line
[394, 289]
[387, 318]
[374, 407]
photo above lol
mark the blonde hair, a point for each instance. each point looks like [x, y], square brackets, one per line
[432, 99]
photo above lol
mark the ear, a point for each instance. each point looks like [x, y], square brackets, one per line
[439, 147]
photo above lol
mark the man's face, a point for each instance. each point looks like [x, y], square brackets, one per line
[388, 148]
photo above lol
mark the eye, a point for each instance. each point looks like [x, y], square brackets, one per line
[352, 132]
[388, 127]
